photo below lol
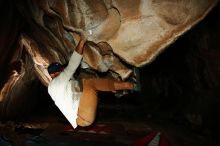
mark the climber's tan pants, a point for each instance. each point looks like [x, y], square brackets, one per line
[89, 100]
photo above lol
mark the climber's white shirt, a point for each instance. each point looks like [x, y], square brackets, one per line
[65, 92]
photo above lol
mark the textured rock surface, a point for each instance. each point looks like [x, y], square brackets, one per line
[147, 30]
[136, 30]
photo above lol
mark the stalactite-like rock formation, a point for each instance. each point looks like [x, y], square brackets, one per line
[120, 34]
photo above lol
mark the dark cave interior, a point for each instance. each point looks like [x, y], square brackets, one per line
[179, 97]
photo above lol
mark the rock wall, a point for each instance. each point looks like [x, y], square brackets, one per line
[35, 33]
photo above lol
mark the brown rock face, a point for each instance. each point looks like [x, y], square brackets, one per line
[120, 34]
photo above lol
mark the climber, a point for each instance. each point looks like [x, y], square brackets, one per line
[77, 105]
